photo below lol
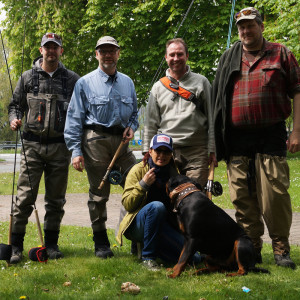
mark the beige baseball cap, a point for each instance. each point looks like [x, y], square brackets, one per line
[107, 40]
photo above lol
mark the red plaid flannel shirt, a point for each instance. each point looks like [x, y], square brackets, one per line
[262, 91]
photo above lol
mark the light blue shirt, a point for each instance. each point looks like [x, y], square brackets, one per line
[97, 100]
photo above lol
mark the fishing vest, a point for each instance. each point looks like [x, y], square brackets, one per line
[46, 114]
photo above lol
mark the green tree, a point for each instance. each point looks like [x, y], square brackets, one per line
[282, 22]
[64, 17]
[5, 94]
[141, 26]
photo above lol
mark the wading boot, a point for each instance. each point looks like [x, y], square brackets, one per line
[17, 240]
[102, 245]
[51, 240]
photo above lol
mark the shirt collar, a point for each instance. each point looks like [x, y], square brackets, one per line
[267, 46]
[186, 74]
[105, 76]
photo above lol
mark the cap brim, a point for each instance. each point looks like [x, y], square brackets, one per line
[44, 43]
[163, 145]
[250, 17]
[107, 43]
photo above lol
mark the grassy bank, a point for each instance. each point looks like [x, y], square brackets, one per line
[80, 275]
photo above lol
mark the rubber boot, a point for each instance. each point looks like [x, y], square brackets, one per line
[51, 240]
[102, 245]
[17, 240]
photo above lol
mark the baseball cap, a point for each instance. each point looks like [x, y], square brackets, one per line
[248, 13]
[51, 37]
[107, 40]
[161, 140]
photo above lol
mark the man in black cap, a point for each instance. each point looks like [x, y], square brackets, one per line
[42, 94]
[101, 115]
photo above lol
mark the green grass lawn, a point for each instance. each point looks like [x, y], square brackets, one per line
[92, 278]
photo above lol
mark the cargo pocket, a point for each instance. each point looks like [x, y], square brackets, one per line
[126, 108]
[60, 115]
[99, 106]
[36, 115]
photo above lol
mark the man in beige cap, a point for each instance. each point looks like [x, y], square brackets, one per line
[254, 83]
[101, 115]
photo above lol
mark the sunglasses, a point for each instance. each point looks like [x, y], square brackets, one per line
[160, 151]
[52, 36]
[105, 52]
[246, 12]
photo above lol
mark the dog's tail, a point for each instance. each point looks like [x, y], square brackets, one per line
[258, 270]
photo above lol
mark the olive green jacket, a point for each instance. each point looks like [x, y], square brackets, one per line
[135, 196]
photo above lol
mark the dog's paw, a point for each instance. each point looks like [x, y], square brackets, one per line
[171, 273]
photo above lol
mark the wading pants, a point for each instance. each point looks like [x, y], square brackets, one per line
[53, 160]
[192, 162]
[262, 195]
[98, 151]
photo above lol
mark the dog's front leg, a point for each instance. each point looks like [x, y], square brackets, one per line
[186, 254]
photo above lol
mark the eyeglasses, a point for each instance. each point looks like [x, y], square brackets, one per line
[245, 12]
[52, 36]
[105, 52]
[160, 151]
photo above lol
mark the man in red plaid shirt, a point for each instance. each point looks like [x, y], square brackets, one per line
[252, 92]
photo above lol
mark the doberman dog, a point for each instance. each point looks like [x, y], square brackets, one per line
[210, 230]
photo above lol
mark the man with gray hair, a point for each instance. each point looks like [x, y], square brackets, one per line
[254, 83]
[101, 115]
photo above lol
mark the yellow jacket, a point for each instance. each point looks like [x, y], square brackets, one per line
[134, 196]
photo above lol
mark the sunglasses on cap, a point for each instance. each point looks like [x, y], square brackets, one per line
[52, 36]
[245, 12]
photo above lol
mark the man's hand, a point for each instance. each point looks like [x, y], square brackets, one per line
[15, 124]
[78, 163]
[128, 134]
[293, 143]
[212, 159]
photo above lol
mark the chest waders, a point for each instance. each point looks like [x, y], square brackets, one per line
[46, 114]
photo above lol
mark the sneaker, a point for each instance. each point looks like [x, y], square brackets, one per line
[54, 253]
[103, 252]
[284, 260]
[16, 255]
[151, 265]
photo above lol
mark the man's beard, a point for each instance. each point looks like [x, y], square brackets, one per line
[109, 66]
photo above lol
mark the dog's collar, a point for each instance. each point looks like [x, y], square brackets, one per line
[181, 192]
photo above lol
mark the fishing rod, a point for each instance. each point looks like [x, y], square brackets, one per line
[42, 254]
[157, 74]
